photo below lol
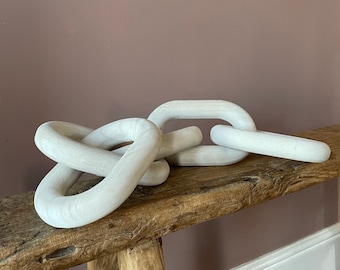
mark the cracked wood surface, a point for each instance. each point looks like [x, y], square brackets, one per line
[191, 195]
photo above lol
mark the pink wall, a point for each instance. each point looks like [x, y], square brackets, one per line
[94, 62]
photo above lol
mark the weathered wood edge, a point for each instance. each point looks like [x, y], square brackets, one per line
[191, 195]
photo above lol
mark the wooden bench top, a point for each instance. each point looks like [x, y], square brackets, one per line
[191, 195]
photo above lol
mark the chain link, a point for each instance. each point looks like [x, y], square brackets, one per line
[270, 144]
[78, 149]
[212, 155]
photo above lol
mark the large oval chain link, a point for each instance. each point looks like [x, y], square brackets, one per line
[63, 211]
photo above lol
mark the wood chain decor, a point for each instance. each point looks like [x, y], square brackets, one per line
[146, 160]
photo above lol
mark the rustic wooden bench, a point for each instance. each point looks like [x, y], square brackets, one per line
[130, 237]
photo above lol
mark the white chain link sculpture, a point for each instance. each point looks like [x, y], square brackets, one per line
[79, 149]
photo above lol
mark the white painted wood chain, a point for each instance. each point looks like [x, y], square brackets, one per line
[79, 149]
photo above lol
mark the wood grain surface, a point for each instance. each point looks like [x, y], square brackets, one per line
[191, 195]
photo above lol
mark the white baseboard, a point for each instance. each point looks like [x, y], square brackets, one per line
[320, 251]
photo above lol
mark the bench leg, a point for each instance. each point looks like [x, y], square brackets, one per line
[146, 256]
